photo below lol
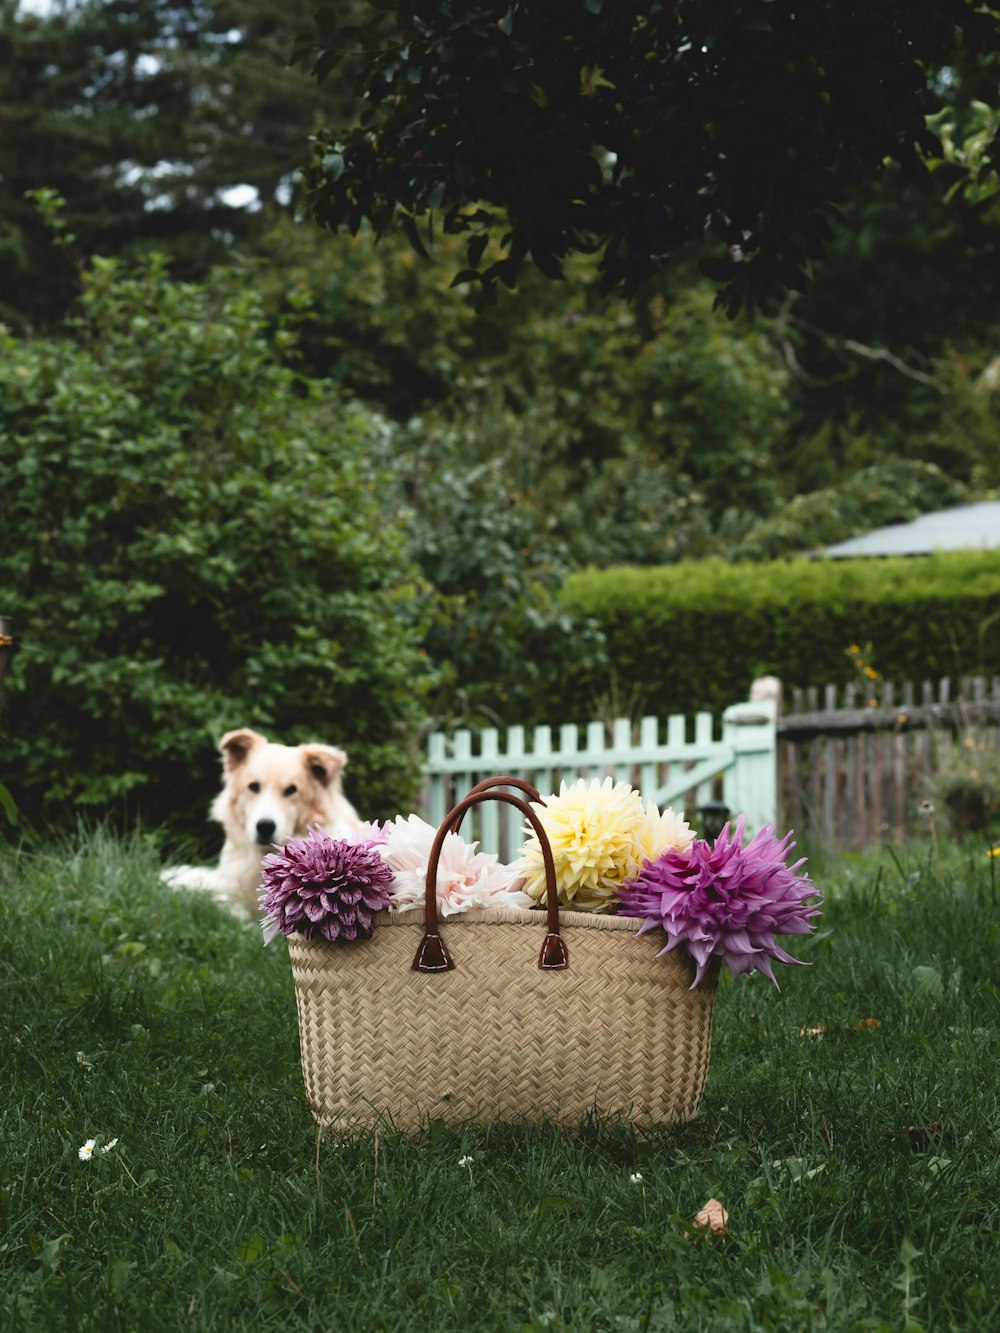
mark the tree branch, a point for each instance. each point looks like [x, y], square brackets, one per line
[839, 346]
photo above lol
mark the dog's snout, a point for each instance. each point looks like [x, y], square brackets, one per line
[265, 830]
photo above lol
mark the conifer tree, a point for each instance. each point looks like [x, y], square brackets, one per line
[145, 116]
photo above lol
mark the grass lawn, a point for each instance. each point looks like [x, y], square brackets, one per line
[851, 1126]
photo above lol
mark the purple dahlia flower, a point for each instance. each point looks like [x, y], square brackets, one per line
[726, 900]
[323, 887]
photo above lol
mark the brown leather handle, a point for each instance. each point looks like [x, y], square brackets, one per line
[432, 955]
[531, 792]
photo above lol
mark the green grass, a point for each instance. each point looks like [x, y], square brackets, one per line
[127, 1011]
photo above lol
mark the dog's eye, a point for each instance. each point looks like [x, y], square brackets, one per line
[255, 786]
[290, 791]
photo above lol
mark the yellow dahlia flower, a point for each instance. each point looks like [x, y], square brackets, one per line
[600, 834]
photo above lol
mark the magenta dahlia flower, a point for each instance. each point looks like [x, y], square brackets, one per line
[323, 887]
[726, 900]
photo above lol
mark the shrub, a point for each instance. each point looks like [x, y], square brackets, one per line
[194, 539]
[691, 636]
[484, 536]
[967, 783]
[668, 417]
[893, 492]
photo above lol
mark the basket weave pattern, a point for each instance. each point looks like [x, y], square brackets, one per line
[618, 1031]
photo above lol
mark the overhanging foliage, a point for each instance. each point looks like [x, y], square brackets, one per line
[548, 127]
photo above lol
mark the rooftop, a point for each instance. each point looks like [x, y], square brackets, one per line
[973, 526]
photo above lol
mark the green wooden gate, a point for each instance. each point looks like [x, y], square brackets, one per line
[673, 761]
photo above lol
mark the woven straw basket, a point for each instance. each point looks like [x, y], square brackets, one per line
[596, 1023]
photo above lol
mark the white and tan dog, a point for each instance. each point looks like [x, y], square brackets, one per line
[270, 793]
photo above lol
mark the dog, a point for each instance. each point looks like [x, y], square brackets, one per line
[270, 793]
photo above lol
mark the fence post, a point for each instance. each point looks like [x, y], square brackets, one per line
[435, 799]
[751, 784]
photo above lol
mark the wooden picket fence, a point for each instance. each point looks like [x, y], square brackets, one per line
[674, 761]
[843, 773]
[852, 775]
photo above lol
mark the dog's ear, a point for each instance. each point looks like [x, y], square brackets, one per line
[324, 762]
[236, 745]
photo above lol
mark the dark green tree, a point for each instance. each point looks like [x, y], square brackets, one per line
[145, 116]
[902, 312]
[542, 128]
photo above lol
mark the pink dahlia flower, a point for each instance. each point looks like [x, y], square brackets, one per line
[726, 900]
[372, 832]
[323, 887]
[465, 878]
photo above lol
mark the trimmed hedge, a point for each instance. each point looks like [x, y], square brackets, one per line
[694, 636]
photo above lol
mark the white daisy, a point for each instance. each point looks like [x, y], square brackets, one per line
[87, 1151]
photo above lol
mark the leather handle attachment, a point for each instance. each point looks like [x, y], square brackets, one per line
[432, 954]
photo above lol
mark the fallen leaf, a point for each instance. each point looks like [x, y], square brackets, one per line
[798, 1169]
[713, 1215]
[868, 1023]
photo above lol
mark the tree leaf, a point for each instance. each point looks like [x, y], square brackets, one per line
[477, 245]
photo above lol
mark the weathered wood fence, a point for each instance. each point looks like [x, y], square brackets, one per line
[675, 761]
[851, 776]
